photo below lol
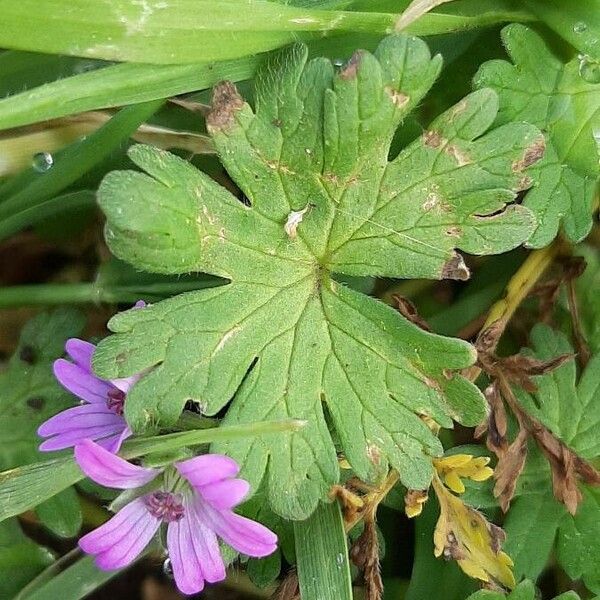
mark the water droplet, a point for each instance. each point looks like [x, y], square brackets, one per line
[42, 162]
[340, 559]
[589, 69]
[168, 568]
[580, 27]
[338, 62]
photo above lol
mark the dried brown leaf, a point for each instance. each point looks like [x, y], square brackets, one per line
[509, 468]
[567, 467]
[365, 555]
[289, 588]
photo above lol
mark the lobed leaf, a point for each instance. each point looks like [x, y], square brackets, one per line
[560, 100]
[284, 339]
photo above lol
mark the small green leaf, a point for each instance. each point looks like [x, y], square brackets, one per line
[20, 558]
[284, 338]
[322, 555]
[264, 571]
[542, 90]
[61, 513]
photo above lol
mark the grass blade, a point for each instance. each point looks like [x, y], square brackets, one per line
[322, 555]
[167, 32]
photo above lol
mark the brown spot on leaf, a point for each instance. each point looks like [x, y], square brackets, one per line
[459, 155]
[433, 139]
[532, 154]
[226, 101]
[459, 108]
[455, 268]
[351, 67]
[374, 454]
[524, 183]
[454, 231]
[400, 99]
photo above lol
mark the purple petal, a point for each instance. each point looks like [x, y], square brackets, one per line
[207, 468]
[225, 494]
[246, 536]
[111, 470]
[126, 383]
[113, 444]
[140, 304]
[81, 383]
[81, 352]
[120, 540]
[194, 552]
[77, 436]
[80, 417]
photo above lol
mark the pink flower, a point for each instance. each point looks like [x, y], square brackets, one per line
[194, 498]
[101, 417]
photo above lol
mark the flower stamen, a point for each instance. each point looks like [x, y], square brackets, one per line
[165, 506]
[115, 400]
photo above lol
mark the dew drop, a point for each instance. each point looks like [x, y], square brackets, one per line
[580, 27]
[42, 162]
[339, 559]
[589, 69]
[338, 62]
[168, 568]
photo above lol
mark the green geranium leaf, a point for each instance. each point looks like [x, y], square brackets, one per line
[29, 394]
[569, 406]
[284, 339]
[570, 409]
[564, 102]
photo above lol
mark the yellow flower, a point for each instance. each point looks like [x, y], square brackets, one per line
[463, 534]
[455, 466]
